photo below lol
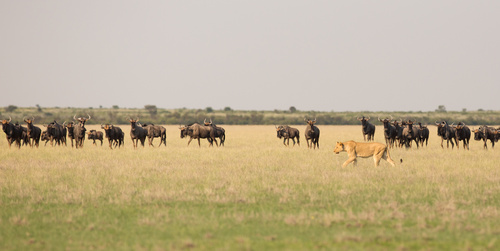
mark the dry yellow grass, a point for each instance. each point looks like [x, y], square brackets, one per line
[254, 193]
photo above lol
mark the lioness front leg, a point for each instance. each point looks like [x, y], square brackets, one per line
[349, 160]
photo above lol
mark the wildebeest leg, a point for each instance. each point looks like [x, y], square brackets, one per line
[284, 141]
[199, 144]
[293, 141]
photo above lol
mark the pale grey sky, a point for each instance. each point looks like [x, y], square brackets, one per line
[252, 55]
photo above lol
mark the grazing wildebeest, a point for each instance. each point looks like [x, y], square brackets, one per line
[446, 132]
[154, 131]
[79, 131]
[462, 134]
[95, 135]
[367, 128]
[287, 133]
[114, 134]
[423, 134]
[390, 132]
[311, 133]
[69, 127]
[12, 133]
[363, 150]
[56, 132]
[485, 133]
[137, 133]
[197, 131]
[33, 132]
[410, 134]
[219, 132]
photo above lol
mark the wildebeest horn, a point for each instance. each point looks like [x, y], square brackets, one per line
[204, 121]
[89, 116]
[368, 118]
[10, 119]
[74, 117]
[64, 123]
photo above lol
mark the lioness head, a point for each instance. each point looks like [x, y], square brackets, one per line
[339, 148]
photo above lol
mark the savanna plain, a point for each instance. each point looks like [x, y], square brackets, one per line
[252, 194]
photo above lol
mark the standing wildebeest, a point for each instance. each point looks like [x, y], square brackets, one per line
[45, 136]
[410, 134]
[33, 132]
[24, 133]
[71, 134]
[79, 131]
[287, 133]
[137, 132]
[311, 133]
[197, 131]
[56, 132]
[448, 133]
[114, 135]
[12, 133]
[485, 133]
[219, 132]
[390, 132]
[399, 125]
[156, 132]
[462, 134]
[95, 135]
[367, 129]
[423, 134]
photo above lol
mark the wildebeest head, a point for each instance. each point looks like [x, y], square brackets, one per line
[5, 123]
[106, 127]
[82, 120]
[133, 123]
[184, 131]
[310, 122]
[364, 120]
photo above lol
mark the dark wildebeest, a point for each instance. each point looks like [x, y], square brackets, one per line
[154, 131]
[462, 134]
[79, 130]
[367, 129]
[114, 135]
[69, 127]
[311, 133]
[33, 132]
[24, 133]
[219, 132]
[95, 135]
[137, 133]
[12, 133]
[410, 134]
[197, 131]
[485, 133]
[45, 137]
[390, 132]
[287, 133]
[56, 132]
[423, 134]
[400, 126]
[448, 133]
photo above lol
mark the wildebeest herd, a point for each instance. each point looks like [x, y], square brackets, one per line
[400, 133]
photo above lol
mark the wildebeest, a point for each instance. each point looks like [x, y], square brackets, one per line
[287, 133]
[446, 132]
[410, 134]
[486, 133]
[69, 127]
[219, 132]
[56, 133]
[24, 133]
[137, 133]
[363, 150]
[400, 126]
[367, 128]
[79, 130]
[197, 131]
[45, 137]
[423, 134]
[154, 131]
[12, 133]
[390, 132]
[462, 134]
[114, 134]
[33, 132]
[95, 135]
[311, 133]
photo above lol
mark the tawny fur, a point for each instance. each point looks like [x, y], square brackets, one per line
[363, 150]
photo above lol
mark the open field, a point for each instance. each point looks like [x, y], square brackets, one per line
[252, 194]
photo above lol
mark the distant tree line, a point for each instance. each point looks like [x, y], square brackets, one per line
[228, 116]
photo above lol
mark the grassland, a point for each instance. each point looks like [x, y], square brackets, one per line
[252, 194]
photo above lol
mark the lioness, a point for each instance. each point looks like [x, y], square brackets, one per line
[363, 150]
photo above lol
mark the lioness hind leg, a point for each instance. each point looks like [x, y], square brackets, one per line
[387, 157]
